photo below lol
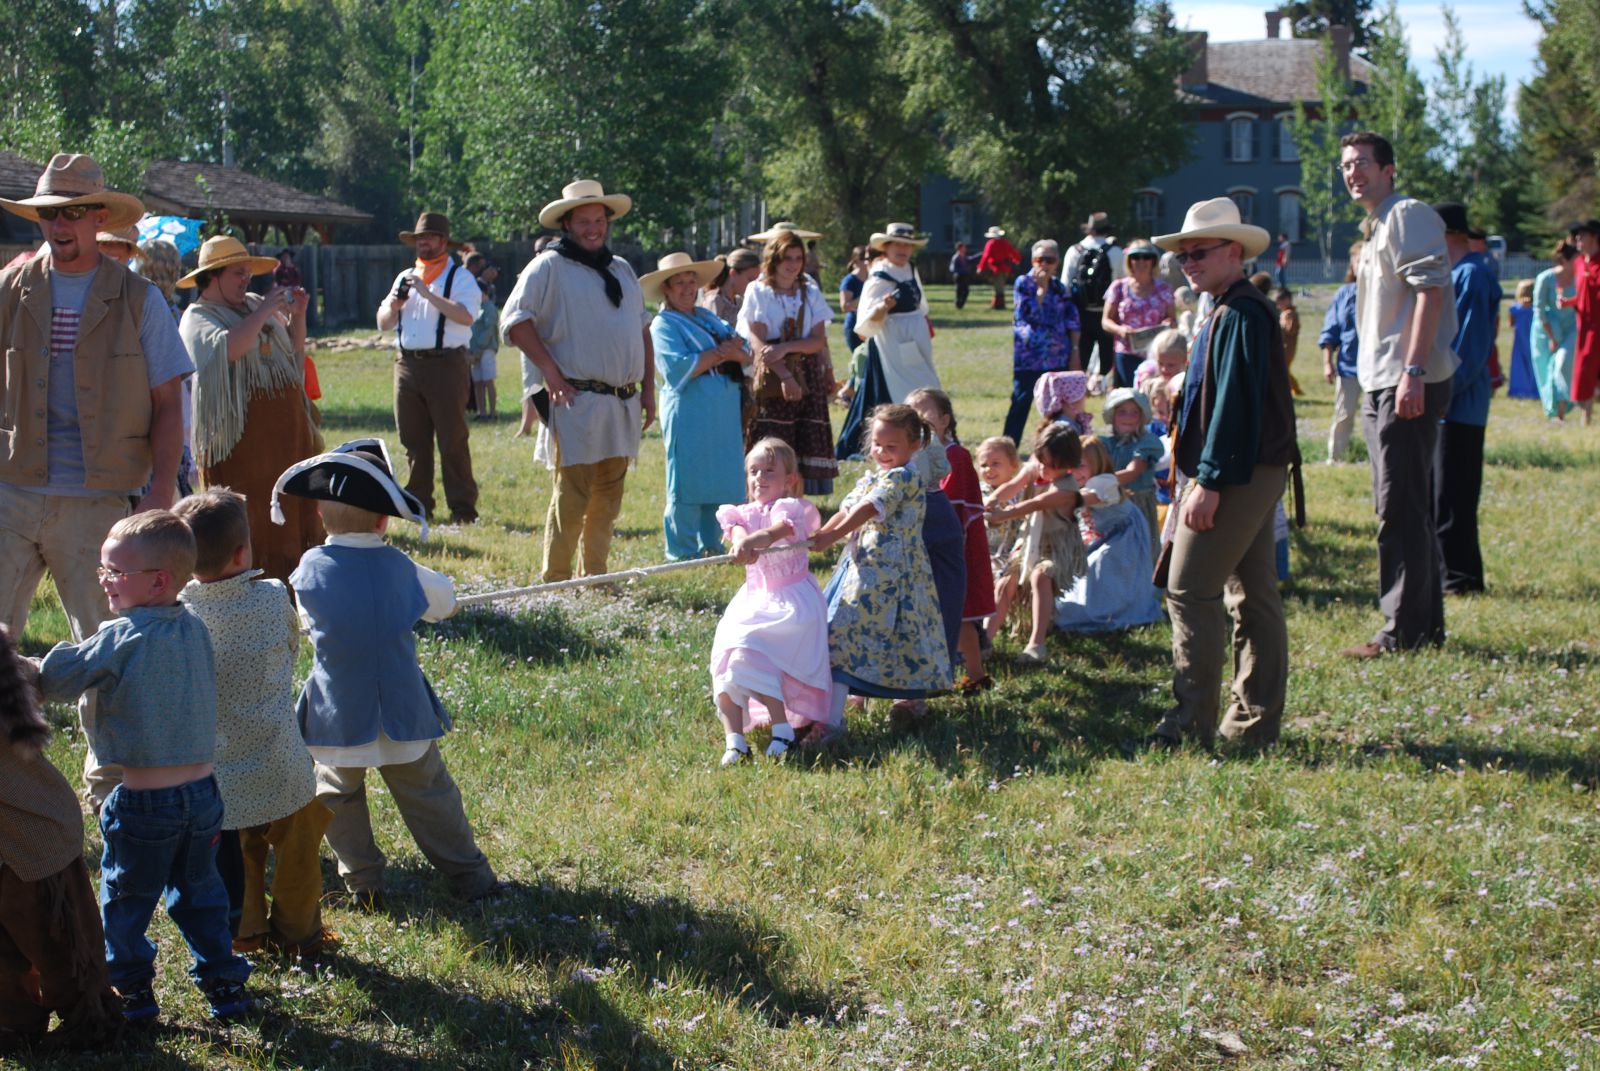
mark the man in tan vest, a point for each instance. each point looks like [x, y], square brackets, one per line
[90, 405]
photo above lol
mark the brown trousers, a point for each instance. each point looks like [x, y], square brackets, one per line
[295, 916]
[53, 956]
[430, 401]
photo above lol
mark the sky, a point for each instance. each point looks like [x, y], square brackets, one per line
[1500, 38]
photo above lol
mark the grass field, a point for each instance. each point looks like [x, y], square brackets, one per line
[1411, 880]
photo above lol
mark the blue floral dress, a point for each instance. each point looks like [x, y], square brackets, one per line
[885, 634]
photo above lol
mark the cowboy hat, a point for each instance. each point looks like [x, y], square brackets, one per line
[1098, 223]
[896, 232]
[994, 232]
[778, 228]
[431, 223]
[126, 235]
[676, 264]
[580, 193]
[75, 179]
[1217, 218]
[222, 252]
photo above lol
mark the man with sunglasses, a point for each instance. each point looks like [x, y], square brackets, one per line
[1405, 321]
[1235, 441]
[91, 403]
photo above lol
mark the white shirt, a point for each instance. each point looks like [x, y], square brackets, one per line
[1119, 264]
[419, 321]
[764, 305]
[875, 293]
[1404, 253]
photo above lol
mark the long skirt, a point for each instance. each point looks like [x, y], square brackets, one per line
[871, 392]
[947, 549]
[804, 425]
[277, 433]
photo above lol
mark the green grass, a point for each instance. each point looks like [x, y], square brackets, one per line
[1411, 880]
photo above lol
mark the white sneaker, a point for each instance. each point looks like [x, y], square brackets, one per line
[1035, 654]
[733, 756]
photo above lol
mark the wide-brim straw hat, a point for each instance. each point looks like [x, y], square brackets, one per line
[580, 193]
[778, 228]
[994, 232]
[431, 223]
[126, 235]
[224, 252]
[904, 233]
[1217, 218]
[676, 264]
[75, 179]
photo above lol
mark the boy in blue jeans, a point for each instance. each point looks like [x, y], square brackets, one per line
[157, 717]
[366, 703]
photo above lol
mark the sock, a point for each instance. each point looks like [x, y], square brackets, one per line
[783, 731]
[736, 742]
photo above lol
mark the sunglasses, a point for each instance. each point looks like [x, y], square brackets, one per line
[1195, 256]
[1047, 260]
[70, 213]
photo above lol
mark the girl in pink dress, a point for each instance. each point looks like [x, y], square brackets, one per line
[769, 661]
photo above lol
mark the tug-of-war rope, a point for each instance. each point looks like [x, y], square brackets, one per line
[642, 572]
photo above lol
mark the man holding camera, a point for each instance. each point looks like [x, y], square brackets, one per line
[432, 306]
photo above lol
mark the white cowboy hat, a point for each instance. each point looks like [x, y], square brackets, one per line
[896, 232]
[75, 179]
[222, 251]
[676, 264]
[580, 193]
[778, 228]
[1217, 218]
[994, 232]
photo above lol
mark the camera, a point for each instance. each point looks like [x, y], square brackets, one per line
[402, 289]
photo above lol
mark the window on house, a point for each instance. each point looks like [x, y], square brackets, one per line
[1147, 211]
[1288, 152]
[1246, 202]
[1241, 140]
[1289, 214]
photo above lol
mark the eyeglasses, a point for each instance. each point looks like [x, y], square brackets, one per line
[1195, 256]
[106, 572]
[1355, 163]
[70, 213]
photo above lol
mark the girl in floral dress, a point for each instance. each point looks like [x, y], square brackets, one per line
[884, 634]
[769, 661]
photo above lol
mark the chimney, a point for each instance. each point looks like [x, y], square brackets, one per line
[1196, 75]
[1274, 22]
[1339, 40]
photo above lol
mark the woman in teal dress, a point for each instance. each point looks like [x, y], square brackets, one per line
[1555, 332]
[699, 367]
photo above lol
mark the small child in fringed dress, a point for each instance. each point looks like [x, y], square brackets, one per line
[264, 771]
[1135, 453]
[998, 466]
[52, 947]
[769, 661]
[1052, 555]
[884, 633]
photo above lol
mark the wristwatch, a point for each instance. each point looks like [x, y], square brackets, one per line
[1416, 370]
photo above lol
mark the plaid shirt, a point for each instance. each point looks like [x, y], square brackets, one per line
[41, 824]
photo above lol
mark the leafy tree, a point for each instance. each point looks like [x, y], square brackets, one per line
[1559, 110]
[1052, 109]
[1311, 18]
[1316, 128]
[1396, 106]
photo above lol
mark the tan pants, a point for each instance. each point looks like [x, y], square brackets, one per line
[63, 534]
[430, 804]
[1229, 571]
[295, 840]
[584, 503]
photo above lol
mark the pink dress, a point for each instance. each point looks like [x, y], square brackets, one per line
[773, 638]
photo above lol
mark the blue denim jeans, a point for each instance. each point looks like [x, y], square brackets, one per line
[161, 844]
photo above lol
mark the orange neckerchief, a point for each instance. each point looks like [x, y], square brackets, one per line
[432, 269]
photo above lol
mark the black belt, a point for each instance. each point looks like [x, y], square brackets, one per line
[594, 386]
[447, 351]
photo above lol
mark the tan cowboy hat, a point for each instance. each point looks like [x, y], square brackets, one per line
[75, 179]
[125, 235]
[1217, 218]
[431, 223]
[896, 232]
[580, 193]
[676, 264]
[994, 232]
[1097, 222]
[778, 228]
[222, 252]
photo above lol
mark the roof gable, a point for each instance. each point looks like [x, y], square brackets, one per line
[1277, 71]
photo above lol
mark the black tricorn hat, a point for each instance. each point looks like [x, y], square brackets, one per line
[357, 473]
[1454, 214]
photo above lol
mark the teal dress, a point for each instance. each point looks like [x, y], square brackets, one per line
[700, 428]
[885, 633]
[1552, 365]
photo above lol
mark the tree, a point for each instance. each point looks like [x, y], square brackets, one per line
[1558, 111]
[1051, 109]
[1311, 18]
[1396, 106]
[1316, 128]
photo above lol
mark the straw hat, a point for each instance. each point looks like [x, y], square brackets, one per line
[221, 252]
[676, 264]
[75, 179]
[896, 232]
[128, 236]
[431, 223]
[994, 232]
[580, 193]
[1217, 218]
[778, 228]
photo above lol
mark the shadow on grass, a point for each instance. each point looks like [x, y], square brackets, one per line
[362, 417]
[1316, 752]
[531, 629]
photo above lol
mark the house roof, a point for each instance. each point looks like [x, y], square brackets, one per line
[1274, 70]
[173, 186]
[19, 176]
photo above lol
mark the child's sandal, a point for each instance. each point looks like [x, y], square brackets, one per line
[975, 685]
[781, 747]
[735, 755]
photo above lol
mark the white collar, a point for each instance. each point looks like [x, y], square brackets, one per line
[358, 540]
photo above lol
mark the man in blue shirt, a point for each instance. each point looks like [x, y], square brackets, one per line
[1458, 458]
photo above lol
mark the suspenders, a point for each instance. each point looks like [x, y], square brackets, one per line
[449, 280]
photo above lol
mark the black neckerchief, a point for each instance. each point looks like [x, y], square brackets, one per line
[599, 260]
